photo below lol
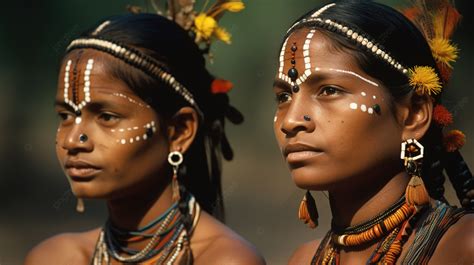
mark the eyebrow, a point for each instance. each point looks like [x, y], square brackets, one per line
[94, 105]
[317, 69]
[319, 74]
[281, 84]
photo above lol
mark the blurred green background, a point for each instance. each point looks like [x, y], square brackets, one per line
[261, 200]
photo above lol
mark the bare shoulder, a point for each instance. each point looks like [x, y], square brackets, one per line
[304, 253]
[215, 243]
[67, 248]
[457, 244]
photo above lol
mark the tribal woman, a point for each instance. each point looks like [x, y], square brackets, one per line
[360, 115]
[142, 127]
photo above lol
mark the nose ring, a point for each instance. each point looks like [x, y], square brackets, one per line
[306, 118]
[83, 138]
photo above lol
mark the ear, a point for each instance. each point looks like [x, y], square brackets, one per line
[182, 129]
[417, 112]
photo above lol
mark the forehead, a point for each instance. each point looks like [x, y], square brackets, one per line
[101, 78]
[323, 51]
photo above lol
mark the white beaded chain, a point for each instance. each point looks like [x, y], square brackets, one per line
[145, 62]
[306, 58]
[349, 33]
[87, 84]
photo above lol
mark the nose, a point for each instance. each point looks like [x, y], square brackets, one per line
[77, 140]
[297, 118]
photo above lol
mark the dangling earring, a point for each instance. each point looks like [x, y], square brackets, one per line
[80, 208]
[412, 154]
[308, 212]
[175, 159]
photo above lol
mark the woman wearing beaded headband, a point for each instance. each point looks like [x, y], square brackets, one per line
[356, 81]
[140, 115]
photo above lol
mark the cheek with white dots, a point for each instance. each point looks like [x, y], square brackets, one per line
[366, 108]
[137, 133]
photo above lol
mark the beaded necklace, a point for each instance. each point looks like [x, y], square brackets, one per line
[392, 227]
[166, 236]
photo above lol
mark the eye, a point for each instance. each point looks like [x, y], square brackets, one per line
[108, 117]
[329, 91]
[283, 97]
[65, 116]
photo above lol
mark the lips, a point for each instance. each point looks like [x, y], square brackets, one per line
[80, 169]
[299, 152]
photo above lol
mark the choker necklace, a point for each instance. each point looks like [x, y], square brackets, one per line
[166, 235]
[392, 227]
[370, 223]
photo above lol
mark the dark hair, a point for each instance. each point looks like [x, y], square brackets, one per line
[397, 35]
[166, 42]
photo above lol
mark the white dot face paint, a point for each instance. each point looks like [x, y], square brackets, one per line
[78, 120]
[363, 93]
[275, 118]
[363, 108]
[131, 100]
[149, 128]
[353, 106]
[374, 97]
[370, 110]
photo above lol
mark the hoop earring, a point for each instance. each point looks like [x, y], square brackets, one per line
[175, 159]
[308, 212]
[412, 155]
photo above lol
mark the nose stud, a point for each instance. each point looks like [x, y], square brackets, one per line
[83, 138]
[306, 118]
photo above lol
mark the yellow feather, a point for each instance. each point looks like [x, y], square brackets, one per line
[444, 51]
[222, 34]
[424, 80]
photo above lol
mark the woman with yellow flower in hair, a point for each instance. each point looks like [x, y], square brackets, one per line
[142, 127]
[359, 89]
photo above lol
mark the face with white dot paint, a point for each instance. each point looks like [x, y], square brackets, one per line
[125, 147]
[342, 139]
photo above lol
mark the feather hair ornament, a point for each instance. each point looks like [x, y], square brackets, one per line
[203, 24]
[437, 20]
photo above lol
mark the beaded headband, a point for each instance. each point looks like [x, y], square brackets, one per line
[138, 60]
[422, 78]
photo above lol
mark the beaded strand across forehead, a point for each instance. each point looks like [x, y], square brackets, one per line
[139, 60]
[359, 37]
[292, 72]
[77, 106]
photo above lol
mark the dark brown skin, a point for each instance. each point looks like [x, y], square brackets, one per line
[133, 178]
[350, 153]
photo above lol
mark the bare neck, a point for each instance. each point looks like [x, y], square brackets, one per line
[136, 211]
[362, 202]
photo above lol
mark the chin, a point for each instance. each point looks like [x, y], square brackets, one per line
[87, 190]
[309, 179]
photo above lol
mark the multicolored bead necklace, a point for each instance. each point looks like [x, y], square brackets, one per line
[166, 235]
[392, 227]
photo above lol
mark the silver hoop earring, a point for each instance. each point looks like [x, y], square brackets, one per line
[175, 159]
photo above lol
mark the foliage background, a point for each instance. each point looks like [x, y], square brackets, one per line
[261, 200]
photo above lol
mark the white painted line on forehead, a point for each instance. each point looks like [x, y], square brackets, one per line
[318, 69]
